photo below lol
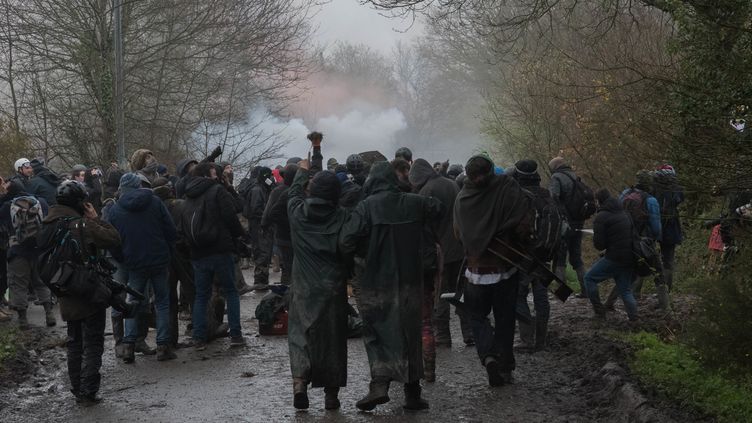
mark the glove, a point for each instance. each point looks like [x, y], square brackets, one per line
[215, 153]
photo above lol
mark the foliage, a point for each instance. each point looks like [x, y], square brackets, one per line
[8, 343]
[676, 372]
[13, 144]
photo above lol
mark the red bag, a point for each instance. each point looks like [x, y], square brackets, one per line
[716, 242]
[279, 327]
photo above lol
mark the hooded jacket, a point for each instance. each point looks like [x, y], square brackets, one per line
[98, 234]
[182, 171]
[146, 229]
[44, 184]
[258, 196]
[431, 184]
[275, 212]
[561, 186]
[220, 208]
[612, 231]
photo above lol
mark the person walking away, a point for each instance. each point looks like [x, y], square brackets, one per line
[261, 240]
[210, 225]
[148, 237]
[612, 233]
[670, 195]
[391, 224]
[21, 216]
[86, 320]
[275, 220]
[565, 189]
[492, 206]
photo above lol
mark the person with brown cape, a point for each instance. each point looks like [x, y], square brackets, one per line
[390, 224]
[492, 206]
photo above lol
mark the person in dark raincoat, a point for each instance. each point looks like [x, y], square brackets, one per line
[317, 325]
[391, 224]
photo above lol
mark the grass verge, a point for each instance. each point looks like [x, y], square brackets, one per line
[673, 370]
[8, 344]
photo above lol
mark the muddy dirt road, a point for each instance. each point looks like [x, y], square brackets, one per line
[580, 378]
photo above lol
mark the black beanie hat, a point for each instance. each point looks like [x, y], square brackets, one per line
[325, 185]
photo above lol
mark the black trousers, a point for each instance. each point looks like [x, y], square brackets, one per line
[85, 348]
[3, 273]
[494, 341]
[286, 258]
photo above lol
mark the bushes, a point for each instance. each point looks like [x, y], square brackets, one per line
[674, 371]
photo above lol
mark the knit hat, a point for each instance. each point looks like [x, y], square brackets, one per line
[556, 163]
[37, 165]
[325, 185]
[665, 169]
[78, 168]
[331, 164]
[130, 182]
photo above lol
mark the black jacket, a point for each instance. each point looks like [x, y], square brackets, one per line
[204, 192]
[612, 231]
[44, 184]
[257, 199]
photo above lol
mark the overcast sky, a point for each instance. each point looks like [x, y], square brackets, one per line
[348, 20]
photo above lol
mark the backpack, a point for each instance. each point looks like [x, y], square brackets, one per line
[580, 203]
[198, 226]
[635, 202]
[26, 218]
[548, 227]
[59, 251]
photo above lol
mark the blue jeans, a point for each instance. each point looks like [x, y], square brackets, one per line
[204, 269]
[140, 280]
[605, 269]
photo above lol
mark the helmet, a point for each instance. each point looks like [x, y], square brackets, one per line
[355, 163]
[21, 163]
[71, 192]
[405, 153]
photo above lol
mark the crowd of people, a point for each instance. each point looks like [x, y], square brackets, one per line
[399, 232]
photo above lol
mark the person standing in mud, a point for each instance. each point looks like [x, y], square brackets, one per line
[262, 240]
[86, 320]
[491, 206]
[317, 330]
[391, 224]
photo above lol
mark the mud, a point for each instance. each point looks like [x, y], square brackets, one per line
[581, 377]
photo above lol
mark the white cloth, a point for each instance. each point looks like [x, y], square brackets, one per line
[490, 278]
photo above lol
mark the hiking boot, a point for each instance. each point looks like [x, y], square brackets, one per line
[49, 315]
[331, 400]
[469, 342]
[413, 400]
[237, 341]
[300, 393]
[378, 393]
[494, 372]
[142, 347]
[129, 353]
[23, 322]
[199, 345]
[88, 400]
[600, 311]
[164, 353]
[245, 289]
[119, 351]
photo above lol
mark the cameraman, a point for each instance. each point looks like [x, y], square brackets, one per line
[86, 320]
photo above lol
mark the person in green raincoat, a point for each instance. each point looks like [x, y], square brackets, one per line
[391, 223]
[317, 320]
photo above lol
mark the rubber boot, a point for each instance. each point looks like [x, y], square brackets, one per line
[413, 400]
[527, 335]
[23, 322]
[581, 279]
[611, 300]
[331, 400]
[600, 311]
[300, 393]
[663, 300]
[164, 353]
[494, 371]
[49, 315]
[378, 393]
[541, 334]
[129, 353]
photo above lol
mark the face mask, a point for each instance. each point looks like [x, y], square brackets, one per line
[268, 181]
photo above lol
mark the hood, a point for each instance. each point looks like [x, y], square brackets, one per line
[182, 167]
[140, 159]
[136, 200]
[60, 211]
[421, 172]
[197, 185]
[381, 178]
[289, 174]
[611, 205]
[49, 176]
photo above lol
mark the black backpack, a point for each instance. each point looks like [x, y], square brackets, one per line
[58, 249]
[580, 203]
[199, 227]
[635, 202]
[548, 226]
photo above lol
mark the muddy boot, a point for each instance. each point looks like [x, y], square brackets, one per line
[331, 400]
[541, 334]
[49, 315]
[663, 300]
[581, 279]
[527, 336]
[129, 353]
[164, 353]
[600, 311]
[300, 393]
[413, 400]
[611, 300]
[142, 347]
[378, 393]
[5, 316]
[494, 372]
[23, 322]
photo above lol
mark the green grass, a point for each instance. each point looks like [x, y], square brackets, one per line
[674, 370]
[8, 342]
